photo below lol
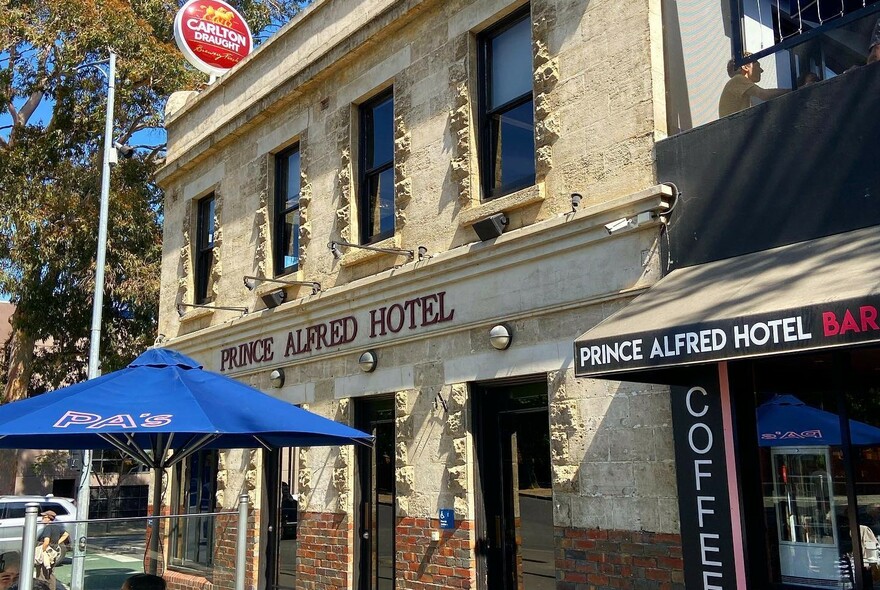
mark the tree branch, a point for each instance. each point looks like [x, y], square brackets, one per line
[34, 100]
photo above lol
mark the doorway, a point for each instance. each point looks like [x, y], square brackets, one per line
[280, 467]
[515, 513]
[376, 495]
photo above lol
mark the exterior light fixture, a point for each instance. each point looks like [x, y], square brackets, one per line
[334, 248]
[182, 312]
[423, 253]
[491, 227]
[276, 378]
[500, 336]
[576, 201]
[368, 361]
[251, 283]
[274, 298]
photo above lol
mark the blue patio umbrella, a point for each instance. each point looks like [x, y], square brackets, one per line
[785, 420]
[161, 408]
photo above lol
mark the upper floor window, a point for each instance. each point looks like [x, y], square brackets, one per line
[204, 248]
[287, 188]
[507, 121]
[376, 203]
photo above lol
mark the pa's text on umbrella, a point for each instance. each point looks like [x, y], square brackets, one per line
[95, 421]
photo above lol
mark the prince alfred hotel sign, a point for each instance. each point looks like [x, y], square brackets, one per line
[403, 316]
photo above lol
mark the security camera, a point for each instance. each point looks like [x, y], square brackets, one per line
[619, 225]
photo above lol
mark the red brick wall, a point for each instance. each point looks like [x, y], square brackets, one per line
[595, 559]
[423, 564]
[323, 551]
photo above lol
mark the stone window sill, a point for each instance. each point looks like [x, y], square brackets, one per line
[521, 198]
[355, 256]
[195, 313]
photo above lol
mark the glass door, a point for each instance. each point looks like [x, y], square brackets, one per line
[513, 441]
[377, 509]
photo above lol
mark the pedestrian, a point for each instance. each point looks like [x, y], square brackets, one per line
[143, 582]
[48, 552]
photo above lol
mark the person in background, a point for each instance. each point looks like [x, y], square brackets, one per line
[806, 79]
[52, 536]
[874, 44]
[743, 86]
[143, 582]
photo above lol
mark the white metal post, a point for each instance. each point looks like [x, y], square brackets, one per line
[28, 545]
[85, 479]
[241, 544]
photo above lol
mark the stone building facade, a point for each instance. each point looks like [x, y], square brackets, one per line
[494, 467]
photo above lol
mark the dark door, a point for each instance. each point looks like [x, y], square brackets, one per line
[280, 470]
[376, 495]
[513, 454]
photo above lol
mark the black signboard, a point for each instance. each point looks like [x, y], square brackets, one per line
[853, 321]
[703, 495]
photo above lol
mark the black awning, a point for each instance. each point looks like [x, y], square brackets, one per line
[812, 295]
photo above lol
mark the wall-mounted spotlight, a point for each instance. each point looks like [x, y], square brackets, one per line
[276, 378]
[491, 227]
[576, 201]
[368, 361]
[182, 312]
[500, 336]
[337, 254]
[251, 283]
[274, 298]
[423, 253]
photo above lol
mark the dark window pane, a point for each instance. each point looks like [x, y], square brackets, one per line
[206, 221]
[511, 65]
[379, 144]
[513, 147]
[205, 245]
[286, 221]
[293, 180]
[380, 203]
[290, 243]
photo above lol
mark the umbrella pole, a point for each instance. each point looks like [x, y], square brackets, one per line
[157, 510]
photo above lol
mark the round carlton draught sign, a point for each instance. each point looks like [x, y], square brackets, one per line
[212, 35]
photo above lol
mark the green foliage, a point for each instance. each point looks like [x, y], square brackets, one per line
[50, 170]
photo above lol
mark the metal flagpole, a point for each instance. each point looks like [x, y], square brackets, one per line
[85, 479]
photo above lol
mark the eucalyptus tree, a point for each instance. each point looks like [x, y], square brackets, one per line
[54, 94]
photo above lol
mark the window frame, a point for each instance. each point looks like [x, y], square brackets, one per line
[486, 147]
[204, 247]
[179, 559]
[282, 210]
[366, 174]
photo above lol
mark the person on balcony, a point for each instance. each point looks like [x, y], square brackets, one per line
[874, 44]
[743, 86]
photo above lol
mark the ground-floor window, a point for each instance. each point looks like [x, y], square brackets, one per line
[192, 536]
[809, 461]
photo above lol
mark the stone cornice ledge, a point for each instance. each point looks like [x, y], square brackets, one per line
[512, 248]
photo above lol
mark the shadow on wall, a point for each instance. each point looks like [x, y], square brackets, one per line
[625, 479]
